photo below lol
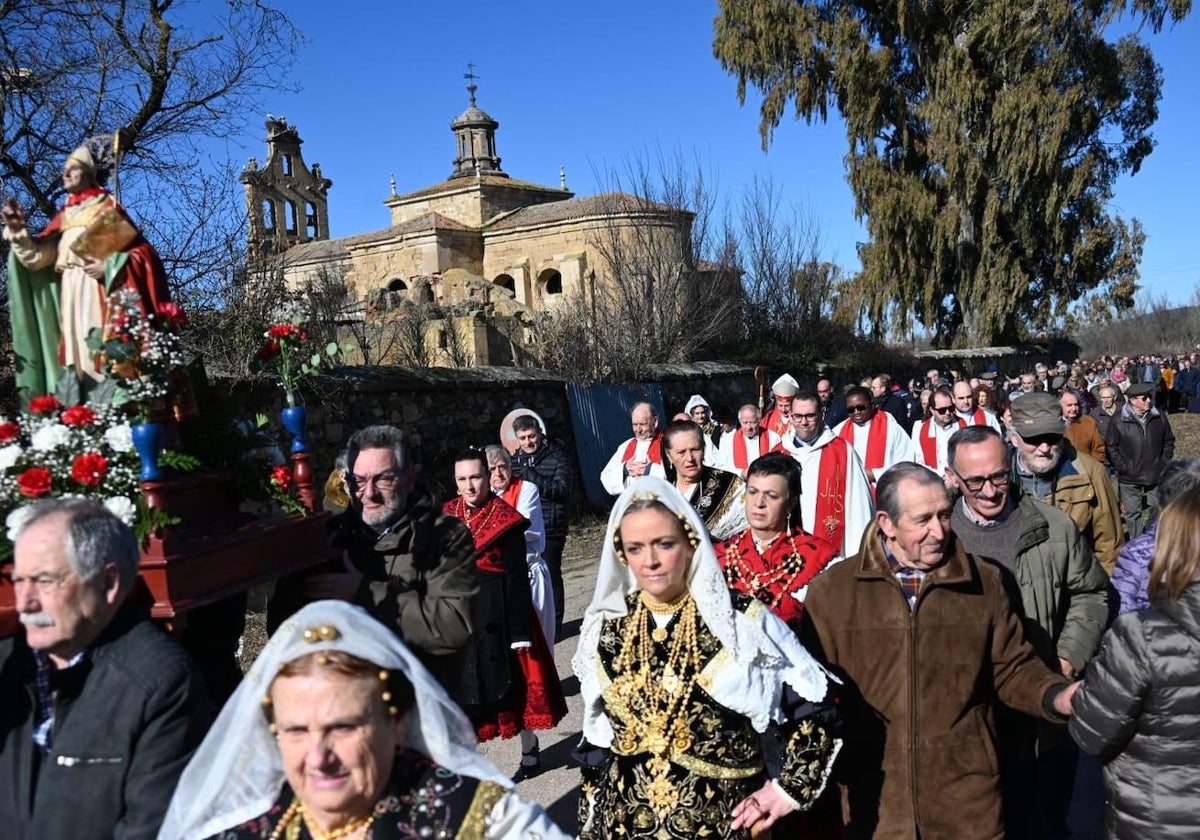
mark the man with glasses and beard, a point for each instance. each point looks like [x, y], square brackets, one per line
[1062, 593]
[1052, 470]
[398, 556]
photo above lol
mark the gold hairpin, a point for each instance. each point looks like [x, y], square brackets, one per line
[324, 633]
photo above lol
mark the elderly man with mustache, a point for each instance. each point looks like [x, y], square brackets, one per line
[100, 710]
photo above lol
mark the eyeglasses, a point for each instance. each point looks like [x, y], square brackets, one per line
[43, 583]
[805, 416]
[385, 480]
[975, 483]
[943, 409]
[857, 409]
[1139, 396]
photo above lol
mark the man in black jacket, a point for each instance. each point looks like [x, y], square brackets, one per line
[1139, 442]
[545, 463]
[99, 709]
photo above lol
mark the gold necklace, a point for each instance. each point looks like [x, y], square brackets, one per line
[654, 721]
[349, 828]
[669, 608]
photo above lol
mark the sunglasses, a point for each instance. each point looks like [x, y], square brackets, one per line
[857, 409]
[945, 409]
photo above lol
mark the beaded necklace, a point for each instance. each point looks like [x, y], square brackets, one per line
[483, 514]
[770, 586]
[289, 825]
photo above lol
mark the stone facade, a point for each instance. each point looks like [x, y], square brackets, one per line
[447, 410]
[537, 245]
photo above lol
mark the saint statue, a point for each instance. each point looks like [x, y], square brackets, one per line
[59, 280]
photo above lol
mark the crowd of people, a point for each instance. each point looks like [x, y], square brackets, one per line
[871, 612]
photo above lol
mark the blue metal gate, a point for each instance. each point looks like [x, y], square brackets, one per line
[600, 420]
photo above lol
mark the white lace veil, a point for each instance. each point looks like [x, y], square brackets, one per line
[237, 774]
[765, 653]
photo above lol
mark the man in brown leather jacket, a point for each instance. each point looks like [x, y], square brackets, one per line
[927, 642]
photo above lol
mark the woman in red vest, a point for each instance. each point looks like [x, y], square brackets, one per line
[774, 559]
[510, 684]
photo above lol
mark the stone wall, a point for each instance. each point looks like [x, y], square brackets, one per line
[447, 410]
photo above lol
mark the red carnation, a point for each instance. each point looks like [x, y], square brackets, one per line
[281, 477]
[172, 315]
[35, 482]
[89, 468]
[78, 415]
[44, 405]
[282, 331]
[9, 432]
[268, 351]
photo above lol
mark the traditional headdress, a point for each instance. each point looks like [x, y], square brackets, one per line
[237, 772]
[694, 401]
[751, 680]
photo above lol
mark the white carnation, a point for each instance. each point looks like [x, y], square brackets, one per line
[9, 455]
[16, 518]
[122, 508]
[50, 437]
[119, 437]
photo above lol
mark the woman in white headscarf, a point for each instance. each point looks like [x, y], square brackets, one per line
[338, 731]
[703, 714]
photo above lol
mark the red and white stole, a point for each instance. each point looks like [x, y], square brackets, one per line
[928, 438]
[653, 454]
[829, 516]
[513, 492]
[977, 419]
[876, 439]
[739, 448]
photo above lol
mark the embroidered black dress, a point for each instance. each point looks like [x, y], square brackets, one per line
[725, 761]
[421, 799]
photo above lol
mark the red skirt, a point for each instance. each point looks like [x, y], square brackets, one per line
[536, 700]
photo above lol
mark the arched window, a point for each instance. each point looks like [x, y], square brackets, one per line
[551, 282]
[397, 285]
[505, 281]
[312, 228]
[289, 214]
[268, 214]
[287, 164]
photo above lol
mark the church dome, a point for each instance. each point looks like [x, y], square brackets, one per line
[474, 116]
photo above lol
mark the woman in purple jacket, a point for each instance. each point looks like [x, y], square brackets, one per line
[1131, 578]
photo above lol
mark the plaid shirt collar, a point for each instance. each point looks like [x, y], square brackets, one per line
[910, 579]
[43, 670]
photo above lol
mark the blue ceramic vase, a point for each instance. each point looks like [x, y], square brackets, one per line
[147, 440]
[295, 420]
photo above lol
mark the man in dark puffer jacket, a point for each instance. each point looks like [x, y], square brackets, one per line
[1139, 708]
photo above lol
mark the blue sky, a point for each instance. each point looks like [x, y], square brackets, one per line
[590, 85]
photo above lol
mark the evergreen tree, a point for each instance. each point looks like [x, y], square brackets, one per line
[985, 138]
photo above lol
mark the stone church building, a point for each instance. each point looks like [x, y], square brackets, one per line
[484, 250]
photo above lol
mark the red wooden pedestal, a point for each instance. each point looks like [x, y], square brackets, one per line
[214, 552]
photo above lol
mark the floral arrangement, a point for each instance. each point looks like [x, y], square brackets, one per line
[140, 353]
[285, 351]
[81, 450]
[281, 489]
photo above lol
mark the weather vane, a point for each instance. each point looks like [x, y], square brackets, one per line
[471, 77]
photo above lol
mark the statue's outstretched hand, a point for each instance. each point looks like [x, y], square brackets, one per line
[13, 215]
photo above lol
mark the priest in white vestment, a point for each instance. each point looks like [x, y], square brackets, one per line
[639, 455]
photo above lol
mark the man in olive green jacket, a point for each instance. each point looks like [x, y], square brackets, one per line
[1061, 591]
